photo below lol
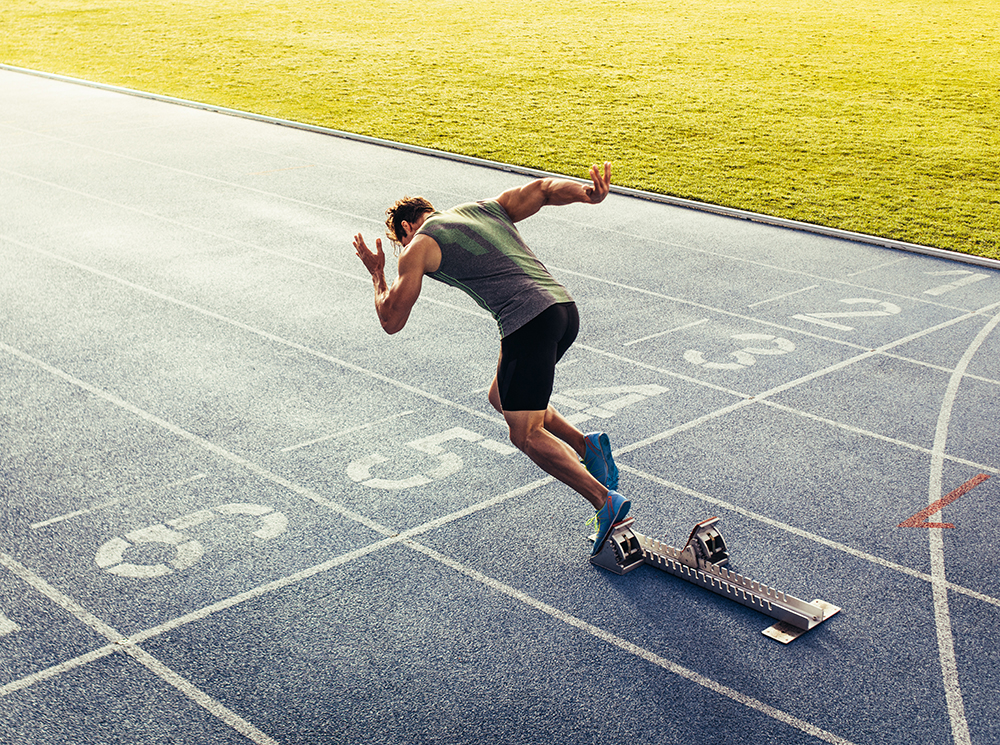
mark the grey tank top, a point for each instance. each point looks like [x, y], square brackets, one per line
[483, 255]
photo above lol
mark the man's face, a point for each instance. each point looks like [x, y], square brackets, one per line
[410, 228]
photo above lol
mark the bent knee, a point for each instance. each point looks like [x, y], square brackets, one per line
[518, 439]
[523, 438]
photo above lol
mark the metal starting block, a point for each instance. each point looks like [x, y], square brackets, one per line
[702, 562]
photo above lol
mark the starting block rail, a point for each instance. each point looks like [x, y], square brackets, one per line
[701, 562]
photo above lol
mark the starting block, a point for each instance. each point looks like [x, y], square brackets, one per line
[702, 562]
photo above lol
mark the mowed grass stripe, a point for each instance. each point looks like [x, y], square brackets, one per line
[876, 117]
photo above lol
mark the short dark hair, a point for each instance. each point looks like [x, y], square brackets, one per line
[409, 209]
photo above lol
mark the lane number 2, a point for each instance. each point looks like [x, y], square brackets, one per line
[880, 309]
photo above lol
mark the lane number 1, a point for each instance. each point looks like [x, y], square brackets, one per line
[965, 278]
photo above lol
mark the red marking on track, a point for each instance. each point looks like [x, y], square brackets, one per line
[920, 519]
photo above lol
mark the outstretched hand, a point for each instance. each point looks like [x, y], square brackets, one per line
[374, 261]
[602, 183]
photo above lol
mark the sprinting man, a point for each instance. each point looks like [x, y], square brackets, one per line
[476, 248]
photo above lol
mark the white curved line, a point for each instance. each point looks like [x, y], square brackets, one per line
[942, 614]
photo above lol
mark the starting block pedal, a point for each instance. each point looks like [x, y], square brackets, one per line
[702, 562]
[705, 545]
[621, 552]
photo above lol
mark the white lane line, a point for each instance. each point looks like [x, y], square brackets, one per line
[227, 238]
[272, 586]
[231, 717]
[941, 368]
[337, 561]
[873, 352]
[75, 513]
[877, 267]
[314, 205]
[113, 502]
[202, 442]
[612, 639]
[659, 370]
[782, 297]
[57, 597]
[7, 626]
[496, 421]
[151, 663]
[342, 433]
[876, 436]
[658, 334]
[785, 527]
[197, 695]
[57, 670]
[942, 613]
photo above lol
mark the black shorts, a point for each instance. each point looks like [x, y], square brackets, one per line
[528, 357]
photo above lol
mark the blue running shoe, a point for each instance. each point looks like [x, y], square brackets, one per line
[598, 460]
[613, 511]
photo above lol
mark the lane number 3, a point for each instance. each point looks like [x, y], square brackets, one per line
[746, 356]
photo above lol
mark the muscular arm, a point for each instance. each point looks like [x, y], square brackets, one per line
[524, 201]
[393, 303]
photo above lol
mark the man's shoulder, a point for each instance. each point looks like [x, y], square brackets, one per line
[423, 255]
[472, 209]
[467, 214]
[493, 207]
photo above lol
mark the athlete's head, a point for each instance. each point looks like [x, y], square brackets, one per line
[408, 210]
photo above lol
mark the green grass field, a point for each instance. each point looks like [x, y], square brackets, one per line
[878, 117]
